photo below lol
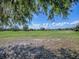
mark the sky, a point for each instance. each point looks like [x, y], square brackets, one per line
[57, 22]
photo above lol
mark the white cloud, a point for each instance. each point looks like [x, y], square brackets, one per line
[53, 25]
[59, 23]
[47, 25]
[75, 22]
[35, 26]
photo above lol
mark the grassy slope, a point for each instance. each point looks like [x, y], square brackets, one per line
[40, 34]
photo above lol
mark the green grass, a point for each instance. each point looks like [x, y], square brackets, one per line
[40, 34]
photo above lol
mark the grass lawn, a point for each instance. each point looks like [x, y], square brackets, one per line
[40, 34]
[53, 39]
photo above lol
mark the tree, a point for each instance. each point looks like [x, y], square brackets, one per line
[77, 27]
[20, 10]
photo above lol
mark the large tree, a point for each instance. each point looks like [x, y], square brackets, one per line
[20, 10]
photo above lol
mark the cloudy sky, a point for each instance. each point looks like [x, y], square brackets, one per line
[57, 22]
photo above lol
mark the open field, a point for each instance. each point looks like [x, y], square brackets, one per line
[50, 39]
[40, 34]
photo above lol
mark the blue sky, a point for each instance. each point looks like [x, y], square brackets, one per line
[58, 22]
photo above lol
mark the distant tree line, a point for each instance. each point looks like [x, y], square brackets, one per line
[25, 28]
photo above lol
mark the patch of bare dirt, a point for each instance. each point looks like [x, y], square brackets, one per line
[47, 43]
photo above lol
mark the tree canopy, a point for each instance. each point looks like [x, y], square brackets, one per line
[20, 10]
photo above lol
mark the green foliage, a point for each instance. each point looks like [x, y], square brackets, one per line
[20, 10]
[56, 7]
